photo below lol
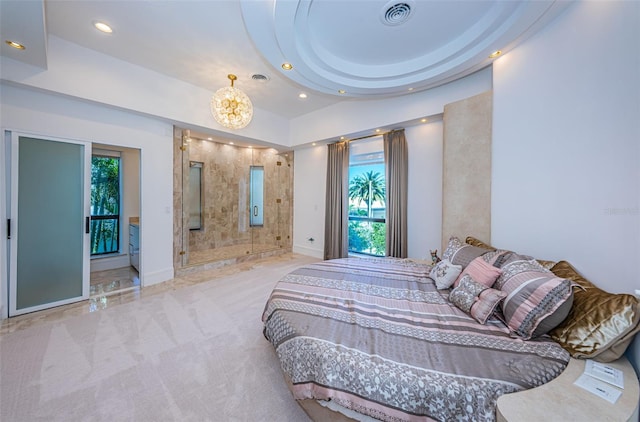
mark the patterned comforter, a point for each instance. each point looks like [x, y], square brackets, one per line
[375, 336]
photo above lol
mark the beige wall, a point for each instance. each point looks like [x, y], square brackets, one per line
[466, 199]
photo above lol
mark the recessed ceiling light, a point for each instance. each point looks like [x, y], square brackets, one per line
[342, 138]
[15, 45]
[342, 91]
[102, 27]
[230, 143]
[287, 66]
[209, 139]
[495, 54]
[423, 120]
[377, 130]
[410, 89]
[313, 143]
[302, 95]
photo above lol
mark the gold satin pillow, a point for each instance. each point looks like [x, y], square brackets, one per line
[470, 240]
[600, 325]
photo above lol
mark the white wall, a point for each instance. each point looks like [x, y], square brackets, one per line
[425, 189]
[566, 144]
[78, 72]
[424, 193]
[47, 115]
[309, 187]
[349, 117]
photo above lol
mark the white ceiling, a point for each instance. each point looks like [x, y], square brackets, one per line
[333, 45]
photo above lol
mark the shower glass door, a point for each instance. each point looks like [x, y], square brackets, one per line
[256, 180]
[49, 238]
[241, 196]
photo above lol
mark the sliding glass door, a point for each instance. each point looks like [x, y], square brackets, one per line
[49, 263]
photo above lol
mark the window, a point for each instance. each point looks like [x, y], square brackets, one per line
[195, 195]
[105, 202]
[367, 188]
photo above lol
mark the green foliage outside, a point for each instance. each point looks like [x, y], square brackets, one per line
[365, 236]
[105, 201]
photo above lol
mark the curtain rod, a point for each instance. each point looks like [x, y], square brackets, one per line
[371, 136]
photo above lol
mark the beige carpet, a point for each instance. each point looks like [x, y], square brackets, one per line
[193, 353]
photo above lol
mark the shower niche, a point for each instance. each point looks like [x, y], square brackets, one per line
[231, 203]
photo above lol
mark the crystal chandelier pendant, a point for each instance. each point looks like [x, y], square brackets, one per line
[231, 107]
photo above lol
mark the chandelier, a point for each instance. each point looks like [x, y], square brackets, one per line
[231, 107]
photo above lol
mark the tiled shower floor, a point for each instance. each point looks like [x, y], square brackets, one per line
[228, 252]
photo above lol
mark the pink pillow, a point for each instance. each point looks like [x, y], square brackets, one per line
[482, 272]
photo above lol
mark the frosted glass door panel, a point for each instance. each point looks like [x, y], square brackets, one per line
[195, 196]
[257, 195]
[50, 224]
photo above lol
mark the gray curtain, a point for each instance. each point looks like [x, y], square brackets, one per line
[336, 221]
[395, 158]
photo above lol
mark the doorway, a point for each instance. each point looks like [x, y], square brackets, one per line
[49, 226]
[115, 220]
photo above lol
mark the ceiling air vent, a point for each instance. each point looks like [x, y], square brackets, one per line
[396, 13]
[260, 78]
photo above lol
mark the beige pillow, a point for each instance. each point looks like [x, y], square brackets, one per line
[444, 273]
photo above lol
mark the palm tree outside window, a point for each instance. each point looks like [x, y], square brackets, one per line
[367, 188]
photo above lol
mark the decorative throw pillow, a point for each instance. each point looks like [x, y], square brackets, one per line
[479, 243]
[444, 273]
[600, 325]
[534, 298]
[459, 253]
[470, 240]
[481, 271]
[476, 299]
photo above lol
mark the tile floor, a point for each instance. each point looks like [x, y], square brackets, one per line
[228, 252]
[109, 281]
[98, 302]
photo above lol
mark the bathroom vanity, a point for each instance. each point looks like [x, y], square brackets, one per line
[134, 243]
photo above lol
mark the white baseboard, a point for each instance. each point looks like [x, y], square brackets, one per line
[156, 277]
[305, 250]
[110, 262]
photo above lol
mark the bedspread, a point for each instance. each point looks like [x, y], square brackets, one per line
[376, 336]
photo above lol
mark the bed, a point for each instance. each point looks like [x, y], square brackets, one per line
[376, 338]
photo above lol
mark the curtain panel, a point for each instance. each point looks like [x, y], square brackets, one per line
[336, 223]
[396, 172]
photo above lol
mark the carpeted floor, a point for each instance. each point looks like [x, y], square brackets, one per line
[189, 352]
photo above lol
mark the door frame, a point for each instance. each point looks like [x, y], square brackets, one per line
[12, 210]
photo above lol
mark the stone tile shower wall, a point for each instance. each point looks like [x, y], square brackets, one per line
[226, 201]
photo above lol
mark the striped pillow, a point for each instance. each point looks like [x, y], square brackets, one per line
[534, 296]
[459, 253]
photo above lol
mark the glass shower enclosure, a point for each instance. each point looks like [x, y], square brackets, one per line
[232, 202]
